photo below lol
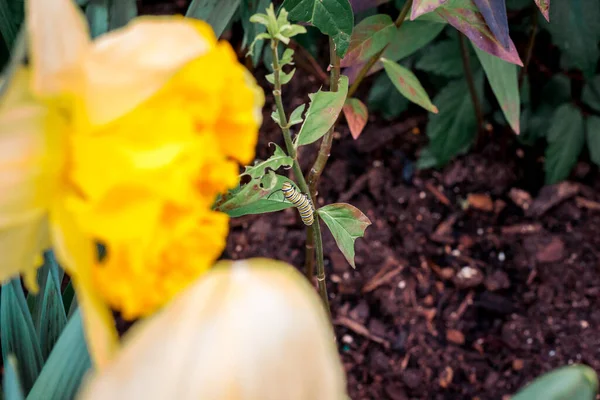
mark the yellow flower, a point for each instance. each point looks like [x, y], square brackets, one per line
[246, 330]
[124, 141]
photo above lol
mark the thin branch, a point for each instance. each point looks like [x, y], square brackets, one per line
[464, 51]
[367, 67]
[530, 45]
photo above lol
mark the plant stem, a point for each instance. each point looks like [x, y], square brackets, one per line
[530, 45]
[367, 67]
[314, 230]
[470, 81]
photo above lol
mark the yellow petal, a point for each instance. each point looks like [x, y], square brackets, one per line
[28, 165]
[76, 253]
[251, 330]
[126, 67]
[58, 36]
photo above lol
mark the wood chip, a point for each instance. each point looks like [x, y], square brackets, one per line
[521, 198]
[551, 196]
[361, 330]
[455, 336]
[480, 201]
[437, 194]
[582, 202]
[446, 377]
[521, 229]
[390, 269]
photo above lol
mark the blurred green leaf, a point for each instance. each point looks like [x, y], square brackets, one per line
[334, 18]
[11, 383]
[385, 99]
[251, 30]
[442, 58]
[421, 7]
[346, 223]
[575, 29]
[68, 295]
[503, 78]
[121, 12]
[452, 131]
[557, 91]
[11, 16]
[277, 160]
[370, 36]
[427, 159]
[260, 195]
[408, 84]
[544, 6]
[18, 333]
[217, 13]
[574, 382]
[591, 93]
[494, 14]
[66, 366]
[593, 138]
[96, 13]
[566, 137]
[323, 111]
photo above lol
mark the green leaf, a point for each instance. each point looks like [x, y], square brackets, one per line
[333, 17]
[18, 333]
[357, 115]
[503, 78]
[427, 159]
[575, 29]
[591, 93]
[442, 58]
[96, 13]
[370, 36]
[121, 12]
[260, 195]
[68, 295]
[277, 160]
[407, 83]
[346, 223]
[11, 383]
[324, 109]
[544, 6]
[385, 99]
[573, 382]
[420, 7]
[296, 117]
[593, 138]
[217, 13]
[565, 142]
[67, 364]
[11, 17]
[452, 131]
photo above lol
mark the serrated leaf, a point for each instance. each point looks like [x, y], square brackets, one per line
[452, 131]
[346, 223]
[357, 115]
[217, 13]
[385, 99]
[420, 7]
[575, 29]
[323, 111]
[412, 36]
[504, 80]
[368, 38]
[277, 160]
[566, 137]
[591, 93]
[494, 13]
[593, 138]
[18, 333]
[257, 197]
[67, 364]
[287, 57]
[11, 382]
[408, 84]
[286, 77]
[296, 116]
[544, 6]
[442, 58]
[121, 12]
[464, 16]
[333, 18]
[573, 382]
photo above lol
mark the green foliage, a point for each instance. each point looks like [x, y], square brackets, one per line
[277, 160]
[106, 15]
[408, 85]
[11, 17]
[593, 138]
[443, 59]
[357, 115]
[369, 37]
[333, 17]
[324, 109]
[217, 13]
[346, 223]
[11, 383]
[574, 382]
[385, 99]
[591, 94]
[566, 137]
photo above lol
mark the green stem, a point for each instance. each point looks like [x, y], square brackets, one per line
[530, 45]
[314, 229]
[367, 67]
[464, 52]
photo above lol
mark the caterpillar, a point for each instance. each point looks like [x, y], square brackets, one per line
[301, 201]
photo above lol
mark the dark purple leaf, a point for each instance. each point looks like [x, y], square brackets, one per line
[494, 13]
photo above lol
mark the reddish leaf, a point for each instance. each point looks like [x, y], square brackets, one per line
[494, 13]
[356, 114]
[464, 16]
[368, 37]
[421, 7]
[544, 6]
[408, 85]
[359, 6]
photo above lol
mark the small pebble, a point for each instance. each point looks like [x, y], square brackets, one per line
[584, 324]
[422, 195]
[402, 284]
[347, 339]
[501, 256]
[551, 353]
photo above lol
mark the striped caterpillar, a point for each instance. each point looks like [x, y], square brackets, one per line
[301, 201]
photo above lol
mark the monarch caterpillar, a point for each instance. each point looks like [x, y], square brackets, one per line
[301, 201]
